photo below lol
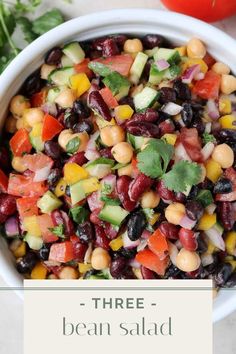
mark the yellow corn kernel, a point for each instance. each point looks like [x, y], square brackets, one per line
[170, 138]
[195, 61]
[230, 243]
[39, 272]
[37, 130]
[123, 111]
[20, 251]
[83, 268]
[74, 173]
[154, 218]
[102, 123]
[31, 225]
[213, 170]
[182, 50]
[80, 83]
[225, 105]
[90, 185]
[206, 222]
[116, 244]
[60, 188]
[227, 122]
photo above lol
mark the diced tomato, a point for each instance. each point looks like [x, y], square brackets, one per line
[20, 143]
[45, 223]
[23, 186]
[38, 99]
[191, 142]
[209, 86]
[62, 252]
[134, 164]
[209, 60]
[158, 244]
[27, 206]
[230, 174]
[120, 63]
[151, 261]
[108, 97]
[51, 127]
[3, 182]
[36, 162]
[83, 68]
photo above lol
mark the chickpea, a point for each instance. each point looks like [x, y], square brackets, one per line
[17, 164]
[52, 277]
[133, 46]
[112, 135]
[224, 155]
[66, 98]
[67, 135]
[10, 124]
[174, 213]
[150, 199]
[84, 138]
[18, 105]
[122, 152]
[196, 49]
[68, 273]
[100, 259]
[46, 71]
[33, 116]
[64, 137]
[20, 123]
[228, 84]
[187, 261]
[126, 171]
[221, 68]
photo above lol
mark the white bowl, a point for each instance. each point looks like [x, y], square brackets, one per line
[178, 28]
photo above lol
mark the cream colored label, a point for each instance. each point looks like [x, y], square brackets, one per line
[115, 317]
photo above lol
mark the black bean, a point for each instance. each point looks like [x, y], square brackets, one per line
[85, 231]
[187, 114]
[199, 125]
[110, 48]
[193, 193]
[53, 57]
[207, 184]
[227, 135]
[128, 274]
[182, 90]
[180, 197]
[44, 252]
[32, 84]
[128, 252]
[70, 118]
[117, 267]
[167, 94]
[136, 225]
[120, 39]
[223, 273]
[26, 263]
[231, 282]
[152, 40]
[194, 209]
[83, 126]
[54, 177]
[52, 149]
[172, 272]
[68, 191]
[81, 109]
[127, 100]
[223, 185]
[202, 244]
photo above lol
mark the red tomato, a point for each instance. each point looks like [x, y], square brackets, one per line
[38, 99]
[120, 63]
[3, 182]
[209, 60]
[206, 10]
[51, 127]
[20, 143]
[45, 223]
[27, 206]
[36, 162]
[191, 142]
[230, 173]
[23, 186]
[151, 261]
[188, 239]
[209, 86]
[158, 244]
[135, 170]
[108, 97]
[83, 68]
[62, 252]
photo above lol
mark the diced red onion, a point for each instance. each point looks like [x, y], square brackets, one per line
[190, 73]
[215, 236]
[210, 209]
[181, 153]
[109, 180]
[12, 227]
[172, 108]
[207, 259]
[212, 109]
[127, 243]
[187, 223]
[134, 264]
[50, 107]
[91, 152]
[207, 150]
[162, 64]
[142, 245]
[42, 174]
[146, 234]
[208, 127]
[173, 252]
[94, 201]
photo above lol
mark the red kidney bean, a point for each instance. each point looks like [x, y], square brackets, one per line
[7, 204]
[152, 40]
[226, 214]
[60, 217]
[97, 43]
[165, 193]
[188, 239]
[117, 267]
[57, 218]
[53, 57]
[138, 186]
[101, 238]
[195, 274]
[94, 217]
[120, 39]
[79, 250]
[97, 103]
[110, 48]
[122, 187]
[110, 231]
[3, 218]
[106, 152]
[169, 230]
[4, 159]
[78, 158]
[149, 116]
[166, 127]
[148, 130]
[180, 197]
[194, 209]
[147, 273]
[167, 94]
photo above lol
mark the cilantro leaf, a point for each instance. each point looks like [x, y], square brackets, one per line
[79, 214]
[58, 230]
[208, 138]
[109, 200]
[21, 7]
[154, 159]
[26, 27]
[73, 145]
[47, 21]
[182, 175]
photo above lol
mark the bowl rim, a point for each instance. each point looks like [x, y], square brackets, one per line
[109, 19]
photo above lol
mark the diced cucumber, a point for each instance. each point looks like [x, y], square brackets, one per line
[61, 76]
[66, 61]
[77, 192]
[100, 167]
[155, 76]
[99, 68]
[48, 202]
[37, 143]
[118, 84]
[137, 67]
[54, 92]
[34, 242]
[74, 51]
[123, 92]
[170, 55]
[145, 98]
[151, 52]
[172, 72]
[113, 214]
[135, 141]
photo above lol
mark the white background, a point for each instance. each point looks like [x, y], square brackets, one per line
[11, 308]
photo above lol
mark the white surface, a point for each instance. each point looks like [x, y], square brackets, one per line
[11, 308]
